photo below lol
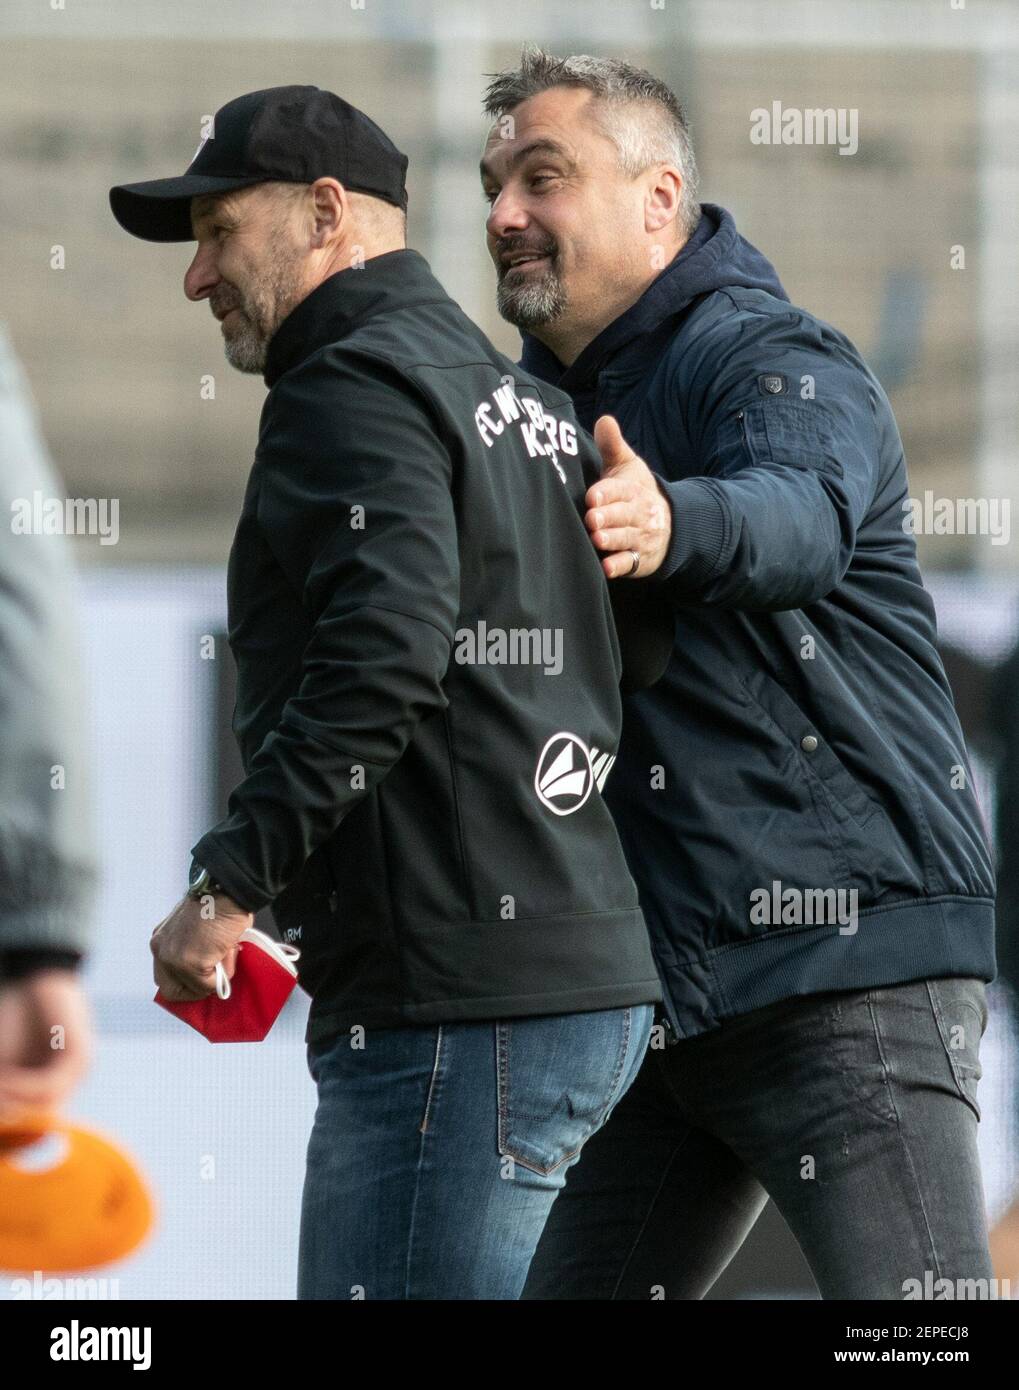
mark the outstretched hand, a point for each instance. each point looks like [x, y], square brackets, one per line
[628, 512]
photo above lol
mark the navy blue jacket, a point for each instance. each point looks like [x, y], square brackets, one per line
[794, 795]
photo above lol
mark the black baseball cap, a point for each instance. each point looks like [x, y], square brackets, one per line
[289, 134]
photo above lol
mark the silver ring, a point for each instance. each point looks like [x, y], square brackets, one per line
[636, 564]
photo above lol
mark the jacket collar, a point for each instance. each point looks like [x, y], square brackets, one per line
[392, 280]
[715, 256]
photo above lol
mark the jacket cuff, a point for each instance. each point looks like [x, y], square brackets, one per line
[18, 964]
[699, 532]
[225, 870]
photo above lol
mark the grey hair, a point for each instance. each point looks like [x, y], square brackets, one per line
[642, 116]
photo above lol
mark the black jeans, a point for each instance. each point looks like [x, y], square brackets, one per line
[855, 1112]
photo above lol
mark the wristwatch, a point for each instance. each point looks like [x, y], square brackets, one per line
[200, 882]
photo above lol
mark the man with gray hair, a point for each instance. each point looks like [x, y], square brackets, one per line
[801, 752]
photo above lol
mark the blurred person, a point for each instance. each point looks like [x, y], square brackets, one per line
[425, 818]
[48, 870]
[794, 796]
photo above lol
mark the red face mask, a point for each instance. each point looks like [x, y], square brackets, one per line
[245, 1008]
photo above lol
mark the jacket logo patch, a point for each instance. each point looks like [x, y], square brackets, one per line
[567, 771]
[543, 433]
[773, 384]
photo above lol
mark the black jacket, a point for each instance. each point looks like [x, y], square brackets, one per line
[804, 732]
[421, 808]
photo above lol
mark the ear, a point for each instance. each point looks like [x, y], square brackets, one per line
[661, 203]
[331, 209]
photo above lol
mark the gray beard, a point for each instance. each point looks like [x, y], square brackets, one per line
[259, 315]
[532, 303]
[247, 346]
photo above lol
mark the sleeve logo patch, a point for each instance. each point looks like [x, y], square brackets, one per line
[773, 384]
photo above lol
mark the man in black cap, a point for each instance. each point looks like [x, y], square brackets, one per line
[427, 709]
[263, 151]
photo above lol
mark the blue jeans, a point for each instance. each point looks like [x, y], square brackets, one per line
[855, 1112]
[437, 1152]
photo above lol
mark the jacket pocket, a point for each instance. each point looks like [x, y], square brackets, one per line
[788, 431]
[557, 1077]
[814, 755]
